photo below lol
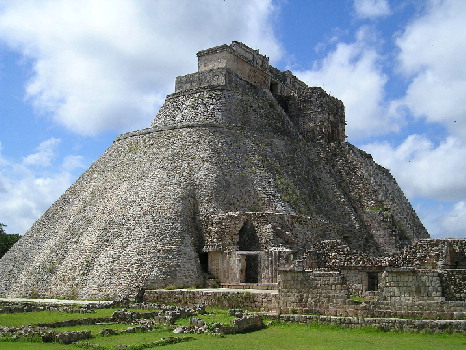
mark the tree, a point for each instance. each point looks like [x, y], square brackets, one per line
[6, 240]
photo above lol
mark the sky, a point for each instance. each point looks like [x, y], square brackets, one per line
[75, 74]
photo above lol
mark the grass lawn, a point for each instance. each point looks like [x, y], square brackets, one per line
[276, 336]
[18, 319]
[296, 337]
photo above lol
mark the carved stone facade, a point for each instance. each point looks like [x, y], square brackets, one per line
[429, 271]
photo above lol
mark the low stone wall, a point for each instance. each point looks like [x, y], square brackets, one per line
[13, 307]
[410, 285]
[246, 323]
[313, 291]
[299, 302]
[263, 301]
[446, 310]
[385, 324]
[46, 335]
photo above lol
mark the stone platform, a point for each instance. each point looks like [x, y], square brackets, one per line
[252, 299]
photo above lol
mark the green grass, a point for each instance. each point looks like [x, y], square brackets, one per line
[35, 346]
[94, 328]
[296, 337]
[18, 319]
[135, 338]
[215, 315]
[276, 336]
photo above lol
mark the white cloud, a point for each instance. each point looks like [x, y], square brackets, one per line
[432, 176]
[424, 169]
[26, 190]
[454, 223]
[442, 219]
[71, 163]
[100, 65]
[353, 74]
[371, 8]
[44, 155]
[432, 53]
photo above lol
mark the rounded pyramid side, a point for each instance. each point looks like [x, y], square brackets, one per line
[141, 214]
[124, 222]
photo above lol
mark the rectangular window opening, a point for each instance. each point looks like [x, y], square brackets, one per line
[372, 281]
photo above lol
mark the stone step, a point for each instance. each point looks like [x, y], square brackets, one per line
[261, 286]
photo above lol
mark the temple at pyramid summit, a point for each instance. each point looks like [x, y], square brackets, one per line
[243, 177]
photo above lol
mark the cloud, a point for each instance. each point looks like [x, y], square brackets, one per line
[432, 54]
[424, 169]
[454, 223]
[71, 163]
[44, 155]
[353, 73]
[442, 219]
[28, 188]
[432, 176]
[107, 65]
[371, 8]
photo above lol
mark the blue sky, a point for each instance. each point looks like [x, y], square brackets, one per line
[75, 74]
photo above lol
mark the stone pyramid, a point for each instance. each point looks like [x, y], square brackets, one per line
[243, 169]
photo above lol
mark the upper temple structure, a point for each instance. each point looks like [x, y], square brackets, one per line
[243, 173]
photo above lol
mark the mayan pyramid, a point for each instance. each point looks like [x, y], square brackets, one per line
[243, 168]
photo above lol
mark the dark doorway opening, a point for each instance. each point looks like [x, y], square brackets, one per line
[248, 239]
[372, 281]
[204, 261]
[252, 269]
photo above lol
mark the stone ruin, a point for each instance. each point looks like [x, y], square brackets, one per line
[241, 179]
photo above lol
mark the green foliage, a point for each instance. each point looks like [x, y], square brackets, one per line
[171, 287]
[360, 299]
[6, 240]
[376, 208]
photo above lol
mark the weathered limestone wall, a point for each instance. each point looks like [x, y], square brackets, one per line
[219, 77]
[247, 63]
[376, 198]
[453, 284]
[238, 108]
[274, 230]
[357, 281]
[311, 291]
[385, 324]
[401, 293]
[318, 116]
[433, 254]
[231, 267]
[410, 285]
[231, 299]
